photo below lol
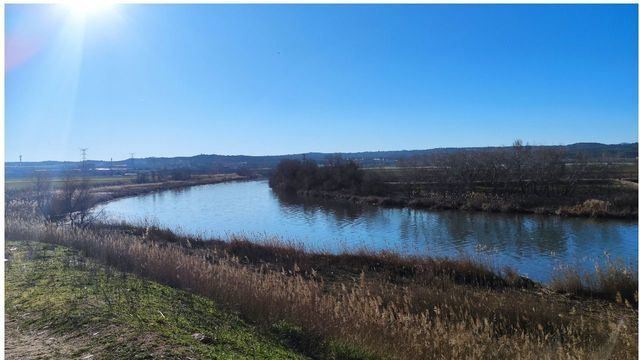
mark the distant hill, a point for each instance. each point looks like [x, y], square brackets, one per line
[230, 163]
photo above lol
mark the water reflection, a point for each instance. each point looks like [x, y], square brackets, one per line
[533, 245]
[341, 211]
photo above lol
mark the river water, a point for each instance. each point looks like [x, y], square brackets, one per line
[535, 246]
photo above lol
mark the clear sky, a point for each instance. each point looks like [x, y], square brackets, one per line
[175, 80]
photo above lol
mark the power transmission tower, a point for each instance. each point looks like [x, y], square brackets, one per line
[132, 155]
[83, 151]
[20, 156]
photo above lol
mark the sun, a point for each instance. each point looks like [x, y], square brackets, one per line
[83, 9]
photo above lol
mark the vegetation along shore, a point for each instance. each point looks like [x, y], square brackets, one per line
[365, 305]
[240, 297]
[519, 178]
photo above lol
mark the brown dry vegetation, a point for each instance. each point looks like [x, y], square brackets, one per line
[615, 282]
[39, 189]
[519, 178]
[388, 306]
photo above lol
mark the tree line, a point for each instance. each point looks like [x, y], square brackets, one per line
[520, 168]
[517, 169]
[334, 175]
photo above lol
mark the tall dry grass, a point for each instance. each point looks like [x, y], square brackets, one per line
[613, 281]
[439, 321]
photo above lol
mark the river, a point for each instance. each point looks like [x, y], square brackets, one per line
[535, 246]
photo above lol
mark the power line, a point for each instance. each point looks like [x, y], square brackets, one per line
[83, 151]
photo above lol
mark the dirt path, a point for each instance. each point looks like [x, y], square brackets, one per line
[22, 343]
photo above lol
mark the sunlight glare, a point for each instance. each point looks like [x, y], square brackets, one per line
[87, 8]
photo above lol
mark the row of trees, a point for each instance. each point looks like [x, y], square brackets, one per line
[144, 177]
[519, 168]
[337, 174]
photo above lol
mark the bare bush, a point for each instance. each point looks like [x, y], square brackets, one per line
[70, 204]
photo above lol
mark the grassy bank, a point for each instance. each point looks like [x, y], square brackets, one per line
[108, 193]
[60, 304]
[382, 305]
[29, 183]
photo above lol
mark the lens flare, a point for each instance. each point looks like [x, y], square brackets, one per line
[88, 8]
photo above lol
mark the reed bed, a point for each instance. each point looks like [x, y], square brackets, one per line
[433, 318]
[614, 281]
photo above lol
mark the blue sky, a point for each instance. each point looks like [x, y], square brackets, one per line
[174, 80]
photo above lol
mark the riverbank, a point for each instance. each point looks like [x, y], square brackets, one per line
[82, 194]
[541, 187]
[613, 281]
[385, 305]
[108, 193]
[478, 201]
[60, 304]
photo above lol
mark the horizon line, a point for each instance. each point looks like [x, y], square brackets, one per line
[320, 152]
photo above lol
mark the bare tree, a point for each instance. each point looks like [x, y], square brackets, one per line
[71, 204]
[42, 189]
[414, 172]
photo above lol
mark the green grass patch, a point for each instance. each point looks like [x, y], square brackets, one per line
[317, 348]
[115, 315]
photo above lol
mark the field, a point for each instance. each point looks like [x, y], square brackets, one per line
[614, 170]
[23, 184]
[102, 181]
[103, 189]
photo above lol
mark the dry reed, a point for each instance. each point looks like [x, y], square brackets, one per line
[442, 320]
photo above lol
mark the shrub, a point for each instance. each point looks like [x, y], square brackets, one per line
[296, 175]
